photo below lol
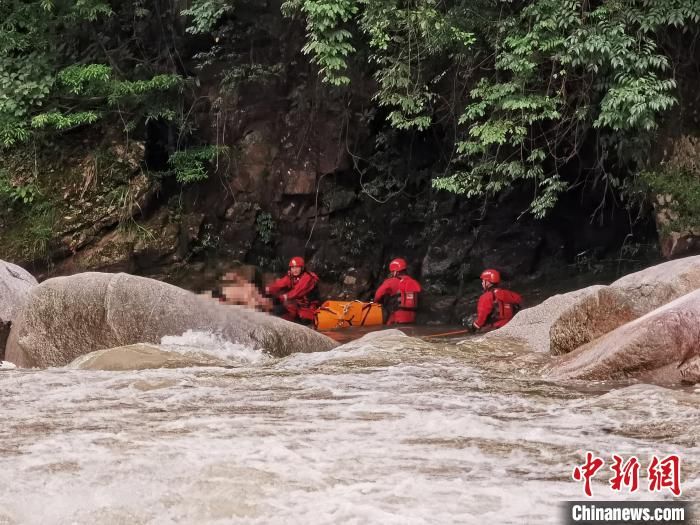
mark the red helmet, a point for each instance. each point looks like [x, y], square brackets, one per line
[397, 265]
[296, 261]
[491, 276]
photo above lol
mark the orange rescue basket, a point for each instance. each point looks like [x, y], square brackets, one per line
[343, 314]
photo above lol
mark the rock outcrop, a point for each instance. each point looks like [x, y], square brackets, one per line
[67, 317]
[531, 327]
[628, 298]
[677, 227]
[565, 322]
[15, 283]
[662, 346]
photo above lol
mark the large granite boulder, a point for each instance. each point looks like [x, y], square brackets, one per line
[599, 311]
[531, 327]
[662, 346]
[565, 322]
[15, 283]
[66, 317]
[628, 298]
[657, 285]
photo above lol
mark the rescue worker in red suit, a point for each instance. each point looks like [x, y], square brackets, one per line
[398, 295]
[496, 306]
[297, 293]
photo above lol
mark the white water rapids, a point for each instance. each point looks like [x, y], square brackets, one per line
[386, 430]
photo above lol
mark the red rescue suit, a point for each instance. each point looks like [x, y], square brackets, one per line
[496, 307]
[299, 295]
[400, 296]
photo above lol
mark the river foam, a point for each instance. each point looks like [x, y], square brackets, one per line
[194, 342]
[390, 430]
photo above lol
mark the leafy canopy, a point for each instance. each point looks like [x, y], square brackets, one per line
[529, 81]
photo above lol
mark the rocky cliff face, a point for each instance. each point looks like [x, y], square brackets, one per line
[675, 205]
[308, 171]
[107, 213]
[676, 170]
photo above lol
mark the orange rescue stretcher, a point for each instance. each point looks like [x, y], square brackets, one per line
[332, 315]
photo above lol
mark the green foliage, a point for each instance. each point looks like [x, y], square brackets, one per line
[560, 74]
[63, 122]
[134, 100]
[12, 193]
[13, 131]
[234, 59]
[238, 75]
[328, 40]
[121, 90]
[31, 225]
[191, 165]
[45, 86]
[519, 87]
[538, 78]
[206, 13]
[265, 227]
[89, 10]
[24, 84]
[356, 236]
[79, 79]
[40, 232]
[30, 47]
[403, 40]
[678, 191]
[407, 42]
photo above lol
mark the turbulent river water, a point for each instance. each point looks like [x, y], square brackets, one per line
[388, 429]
